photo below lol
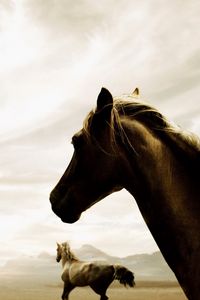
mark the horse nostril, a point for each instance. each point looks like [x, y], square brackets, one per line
[52, 198]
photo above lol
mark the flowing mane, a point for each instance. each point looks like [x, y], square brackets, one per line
[66, 251]
[187, 143]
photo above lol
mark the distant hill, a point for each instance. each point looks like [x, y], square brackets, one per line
[45, 269]
[88, 252]
[145, 266]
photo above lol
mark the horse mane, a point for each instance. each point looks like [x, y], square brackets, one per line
[186, 143]
[67, 251]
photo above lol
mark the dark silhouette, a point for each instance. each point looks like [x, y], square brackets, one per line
[127, 144]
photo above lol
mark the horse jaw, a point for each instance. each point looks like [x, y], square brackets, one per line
[65, 215]
[70, 218]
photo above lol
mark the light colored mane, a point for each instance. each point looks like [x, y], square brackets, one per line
[67, 253]
[129, 106]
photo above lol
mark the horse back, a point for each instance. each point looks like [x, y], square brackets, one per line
[86, 273]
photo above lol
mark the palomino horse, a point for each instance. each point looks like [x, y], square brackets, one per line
[97, 276]
[127, 144]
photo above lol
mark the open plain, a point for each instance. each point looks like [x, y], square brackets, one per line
[39, 278]
[142, 291]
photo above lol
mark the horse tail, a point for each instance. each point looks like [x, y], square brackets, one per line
[125, 276]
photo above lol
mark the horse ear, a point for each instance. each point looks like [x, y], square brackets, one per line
[136, 92]
[64, 245]
[58, 244]
[104, 100]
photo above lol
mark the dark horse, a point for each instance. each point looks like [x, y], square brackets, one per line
[127, 144]
[96, 275]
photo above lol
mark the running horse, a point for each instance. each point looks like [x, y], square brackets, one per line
[125, 143]
[96, 275]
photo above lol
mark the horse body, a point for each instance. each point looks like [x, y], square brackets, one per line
[127, 144]
[79, 273]
[98, 276]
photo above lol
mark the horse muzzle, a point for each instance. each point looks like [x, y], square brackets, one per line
[66, 213]
[70, 219]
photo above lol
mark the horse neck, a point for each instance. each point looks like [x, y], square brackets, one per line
[68, 258]
[64, 259]
[155, 171]
[167, 197]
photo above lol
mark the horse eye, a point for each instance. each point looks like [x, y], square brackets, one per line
[76, 141]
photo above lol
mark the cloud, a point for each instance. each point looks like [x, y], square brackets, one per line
[102, 227]
[104, 54]
[36, 228]
[6, 8]
[66, 16]
[65, 52]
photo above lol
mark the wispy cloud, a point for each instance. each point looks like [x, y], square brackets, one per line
[56, 55]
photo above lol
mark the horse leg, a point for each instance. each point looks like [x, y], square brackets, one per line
[103, 297]
[68, 287]
[101, 284]
[100, 290]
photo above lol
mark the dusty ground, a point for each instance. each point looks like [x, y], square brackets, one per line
[143, 291]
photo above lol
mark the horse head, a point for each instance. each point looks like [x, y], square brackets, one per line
[63, 250]
[59, 252]
[95, 170]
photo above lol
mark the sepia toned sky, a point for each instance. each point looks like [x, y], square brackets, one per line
[54, 58]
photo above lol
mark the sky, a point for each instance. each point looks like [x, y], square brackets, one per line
[55, 56]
